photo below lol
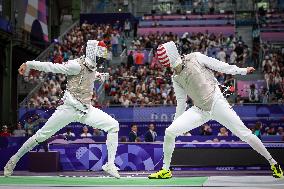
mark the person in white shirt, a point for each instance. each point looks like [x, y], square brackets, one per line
[193, 77]
[221, 55]
[69, 133]
[81, 74]
[127, 27]
[85, 132]
[233, 57]
[19, 132]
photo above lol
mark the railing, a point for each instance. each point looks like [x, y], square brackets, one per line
[170, 105]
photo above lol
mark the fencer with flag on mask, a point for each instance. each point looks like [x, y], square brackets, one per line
[193, 76]
[81, 74]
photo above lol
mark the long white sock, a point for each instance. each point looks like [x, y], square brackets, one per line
[168, 148]
[258, 146]
[26, 147]
[112, 143]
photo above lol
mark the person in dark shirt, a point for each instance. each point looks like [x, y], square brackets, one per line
[151, 135]
[257, 129]
[206, 130]
[133, 133]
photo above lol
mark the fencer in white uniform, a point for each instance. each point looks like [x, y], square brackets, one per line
[81, 74]
[193, 77]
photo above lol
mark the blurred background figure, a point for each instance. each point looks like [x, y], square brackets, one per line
[150, 135]
[85, 132]
[5, 132]
[19, 131]
[69, 134]
[206, 130]
[223, 132]
[257, 129]
[98, 132]
[127, 28]
[133, 133]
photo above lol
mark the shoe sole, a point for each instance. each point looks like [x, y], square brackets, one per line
[105, 170]
[158, 178]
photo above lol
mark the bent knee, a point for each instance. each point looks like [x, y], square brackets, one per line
[114, 126]
[170, 132]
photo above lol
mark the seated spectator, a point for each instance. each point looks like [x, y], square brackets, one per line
[215, 140]
[206, 130]
[223, 132]
[98, 132]
[138, 139]
[123, 139]
[257, 129]
[19, 131]
[253, 94]
[187, 134]
[5, 132]
[151, 135]
[69, 134]
[280, 131]
[271, 131]
[29, 126]
[85, 132]
[133, 133]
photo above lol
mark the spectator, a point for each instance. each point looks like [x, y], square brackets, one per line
[223, 132]
[253, 94]
[271, 131]
[133, 133]
[257, 129]
[127, 27]
[151, 135]
[98, 132]
[19, 131]
[187, 134]
[215, 140]
[139, 58]
[233, 57]
[69, 134]
[123, 139]
[130, 60]
[264, 96]
[138, 139]
[206, 130]
[222, 55]
[5, 132]
[29, 124]
[85, 132]
[114, 43]
[280, 131]
[240, 53]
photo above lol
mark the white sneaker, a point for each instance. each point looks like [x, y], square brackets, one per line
[111, 169]
[9, 168]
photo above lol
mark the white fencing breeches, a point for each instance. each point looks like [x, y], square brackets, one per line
[222, 112]
[66, 114]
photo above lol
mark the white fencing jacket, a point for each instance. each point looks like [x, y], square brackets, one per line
[197, 80]
[80, 80]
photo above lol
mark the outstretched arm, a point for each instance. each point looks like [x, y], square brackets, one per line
[220, 66]
[181, 97]
[72, 67]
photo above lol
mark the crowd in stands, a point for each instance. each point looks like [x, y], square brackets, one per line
[140, 81]
[135, 135]
[273, 69]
